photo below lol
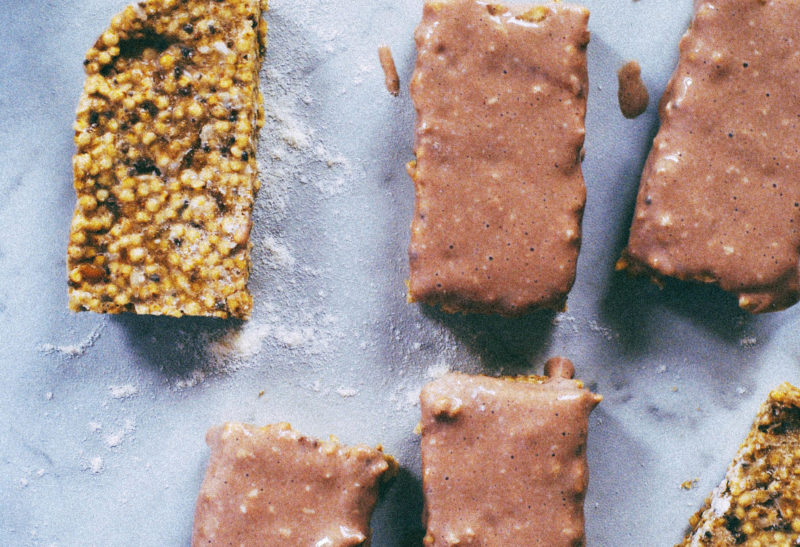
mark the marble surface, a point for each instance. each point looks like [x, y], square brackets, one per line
[103, 418]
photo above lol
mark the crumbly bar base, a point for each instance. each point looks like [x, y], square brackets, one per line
[758, 502]
[165, 170]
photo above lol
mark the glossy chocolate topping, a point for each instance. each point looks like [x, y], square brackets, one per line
[500, 94]
[719, 200]
[504, 459]
[274, 486]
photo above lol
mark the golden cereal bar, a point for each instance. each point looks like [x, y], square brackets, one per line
[273, 486]
[758, 502]
[165, 171]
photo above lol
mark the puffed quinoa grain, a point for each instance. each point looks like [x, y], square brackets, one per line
[165, 169]
[759, 499]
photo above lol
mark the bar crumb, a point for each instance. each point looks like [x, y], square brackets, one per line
[632, 94]
[389, 70]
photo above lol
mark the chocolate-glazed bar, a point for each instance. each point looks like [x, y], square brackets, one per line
[719, 200]
[500, 95]
[273, 486]
[504, 459]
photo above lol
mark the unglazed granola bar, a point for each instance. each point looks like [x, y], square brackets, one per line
[500, 94]
[504, 459]
[758, 502]
[719, 200]
[165, 170]
[273, 486]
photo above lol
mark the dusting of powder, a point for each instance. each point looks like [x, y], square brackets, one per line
[278, 254]
[118, 437]
[124, 391]
[96, 465]
[247, 342]
[411, 396]
[242, 343]
[71, 351]
[605, 332]
[573, 325]
[438, 370]
[346, 392]
[748, 342]
[291, 130]
[194, 378]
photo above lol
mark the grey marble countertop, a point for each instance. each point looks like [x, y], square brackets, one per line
[102, 419]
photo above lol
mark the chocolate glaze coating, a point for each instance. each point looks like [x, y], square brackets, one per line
[719, 200]
[273, 486]
[504, 460]
[500, 94]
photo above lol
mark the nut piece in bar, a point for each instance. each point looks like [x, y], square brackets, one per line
[758, 501]
[719, 200]
[504, 459]
[273, 486]
[165, 170]
[500, 95]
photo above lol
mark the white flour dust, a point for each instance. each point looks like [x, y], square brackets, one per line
[346, 392]
[77, 349]
[96, 465]
[124, 391]
[118, 437]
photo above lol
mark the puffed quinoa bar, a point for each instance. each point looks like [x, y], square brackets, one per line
[758, 502]
[165, 170]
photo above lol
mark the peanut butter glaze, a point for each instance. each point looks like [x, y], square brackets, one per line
[500, 94]
[719, 200]
[504, 460]
[274, 486]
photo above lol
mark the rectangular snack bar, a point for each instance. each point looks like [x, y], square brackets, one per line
[758, 501]
[273, 486]
[504, 459]
[719, 200]
[165, 171]
[500, 95]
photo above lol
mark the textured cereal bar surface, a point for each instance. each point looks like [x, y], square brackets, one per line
[758, 502]
[500, 95]
[165, 170]
[719, 200]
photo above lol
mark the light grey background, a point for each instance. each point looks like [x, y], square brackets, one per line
[102, 419]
